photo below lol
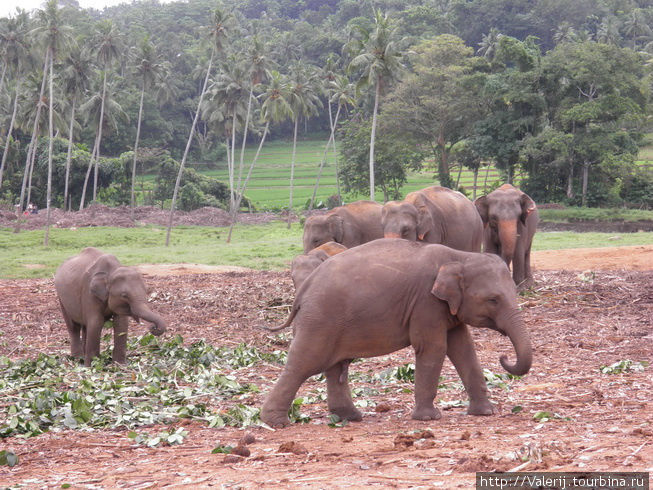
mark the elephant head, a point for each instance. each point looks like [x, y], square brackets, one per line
[503, 211]
[319, 230]
[123, 291]
[480, 292]
[410, 220]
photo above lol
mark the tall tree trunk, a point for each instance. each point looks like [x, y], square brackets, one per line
[292, 169]
[190, 139]
[230, 169]
[4, 72]
[70, 151]
[8, 137]
[233, 151]
[99, 132]
[138, 136]
[460, 171]
[476, 169]
[88, 173]
[32, 145]
[46, 239]
[241, 191]
[242, 148]
[324, 156]
[377, 95]
[586, 171]
[487, 173]
[570, 181]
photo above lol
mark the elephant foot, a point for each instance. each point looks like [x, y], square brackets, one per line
[480, 407]
[274, 418]
[119, 360]
[525, 284]
[347, 413]
[427, 413]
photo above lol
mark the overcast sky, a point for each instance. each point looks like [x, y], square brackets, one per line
[8, 7]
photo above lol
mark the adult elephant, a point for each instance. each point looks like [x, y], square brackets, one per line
[350, 225]
[388, 294]
[94, 287]
[302, 265]
[434, 215]
[510, 218]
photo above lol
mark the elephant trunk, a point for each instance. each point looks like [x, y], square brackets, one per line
[513, 326]
[508, 239]
[159, 324]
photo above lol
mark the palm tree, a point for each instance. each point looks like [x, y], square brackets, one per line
[341, 91]
[16, 57]
[304, 102]
[55, 35]
[258, 65]
[108, 46]
[76, 79]
[150, 68]
[489, 44]
[101, 110]
[222, 23]
[275, 107]
[378, 59]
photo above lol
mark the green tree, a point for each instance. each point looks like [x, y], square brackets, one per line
[378, 59]
[395, 157]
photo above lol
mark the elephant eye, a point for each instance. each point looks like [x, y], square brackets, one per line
[124, 295]
[493, 301]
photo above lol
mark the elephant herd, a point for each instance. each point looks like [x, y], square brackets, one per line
[373, 279]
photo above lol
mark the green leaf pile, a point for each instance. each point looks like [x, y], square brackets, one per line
[164, 381]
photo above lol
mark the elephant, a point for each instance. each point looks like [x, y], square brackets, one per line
[350, 225]
[93, 287]
[302, 265]
[434, 215]
[385, 295]
[510, 219]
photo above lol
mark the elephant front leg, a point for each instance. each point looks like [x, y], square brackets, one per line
[461, 352]
[92, 339]
[339, 394]
[120, 325]
[429, 356]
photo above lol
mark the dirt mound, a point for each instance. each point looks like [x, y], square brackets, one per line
[122, 216]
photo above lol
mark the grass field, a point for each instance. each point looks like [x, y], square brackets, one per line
[264, 247]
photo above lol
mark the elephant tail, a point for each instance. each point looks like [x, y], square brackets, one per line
[291, 317]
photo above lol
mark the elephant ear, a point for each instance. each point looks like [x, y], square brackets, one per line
[99, 285]
[482, 208]
[336, 227]
[424, 218]
[448, 285]
[527, 207]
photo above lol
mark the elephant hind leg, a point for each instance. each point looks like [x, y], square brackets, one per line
[75, 334]
[338, 393]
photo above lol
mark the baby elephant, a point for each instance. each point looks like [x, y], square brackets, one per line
[385, 295]
[302, 265]
[93, 287]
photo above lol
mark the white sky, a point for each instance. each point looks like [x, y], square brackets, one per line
[8, 7]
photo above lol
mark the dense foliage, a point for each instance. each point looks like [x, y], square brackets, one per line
[559, 89]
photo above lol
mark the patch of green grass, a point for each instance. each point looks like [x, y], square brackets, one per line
[559, 240]
[598, 214]
[269, 246]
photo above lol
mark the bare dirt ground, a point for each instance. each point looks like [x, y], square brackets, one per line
[589, 308]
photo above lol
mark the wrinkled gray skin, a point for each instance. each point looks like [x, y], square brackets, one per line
[350, 225]
[302, 265]
[94, 287]
[388, 294]
[434, 215]
[510, 218]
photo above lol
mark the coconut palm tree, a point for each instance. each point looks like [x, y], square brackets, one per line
[275, 108]
[489, 44]
[56, 35]
[304, 101]
[222, 24]
[76, 80]
[101, 109]
[108, 46]
[150, 68]
[341, 92]
[378, 60]
[16, 55]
